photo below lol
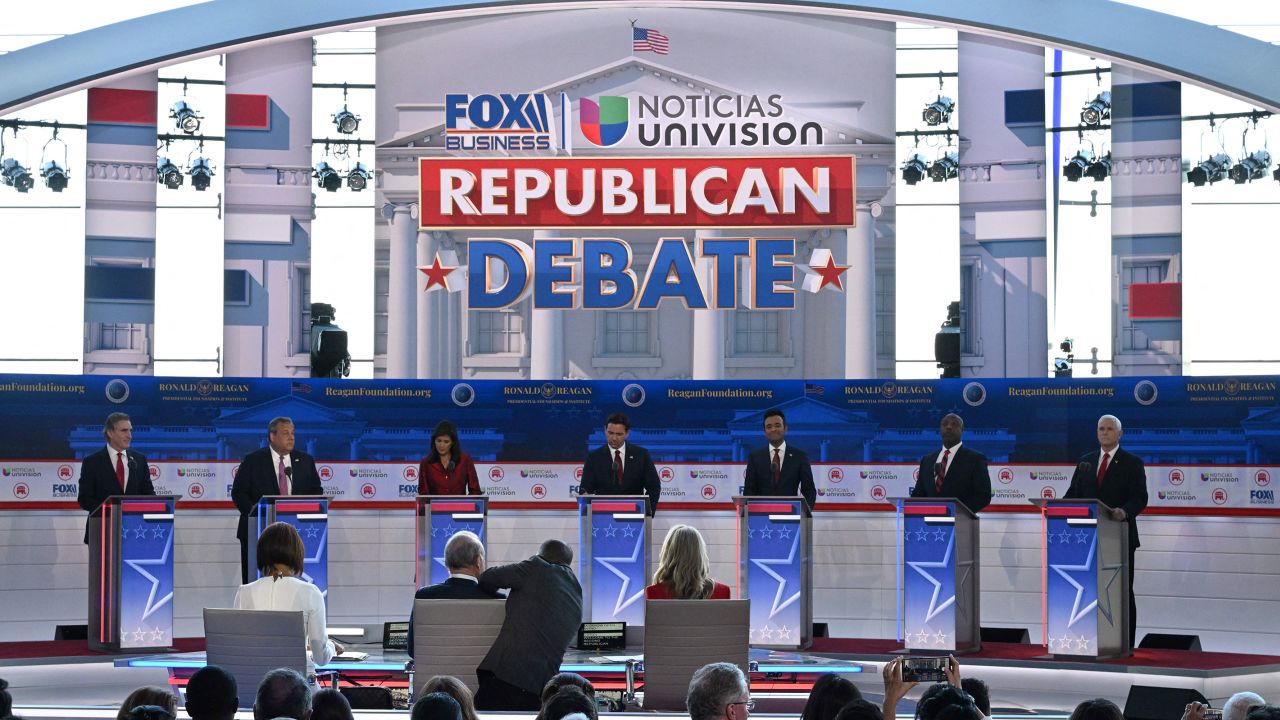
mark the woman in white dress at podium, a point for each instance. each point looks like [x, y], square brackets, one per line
[280, 556]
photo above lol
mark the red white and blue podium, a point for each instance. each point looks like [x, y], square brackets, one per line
[1086, 585]
[940, 576]
[613, 557]
[131, 573]
[775, 541]
[439, 518]
[309, 515]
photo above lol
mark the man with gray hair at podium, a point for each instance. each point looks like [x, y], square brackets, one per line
[719, 691]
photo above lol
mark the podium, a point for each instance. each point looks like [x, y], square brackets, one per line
[775, 569]
[131, 573]
[309, 515]
[613, 557]
[940, 576]
[439, 518]
[1086, 580]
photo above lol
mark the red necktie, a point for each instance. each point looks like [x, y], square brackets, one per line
[280, 478]
[941, 469]
[120, 470]
[617, 464]
[1102, 468]
[777, 467]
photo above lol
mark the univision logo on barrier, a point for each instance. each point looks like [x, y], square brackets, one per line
[604, 122]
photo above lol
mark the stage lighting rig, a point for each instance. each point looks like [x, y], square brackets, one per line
[168, 174]
[358, 177]
[326, 177]
[1097, 109]
[1210, 170]
[914, 169]
[185, 118]
[201, 174]
[945, 167]
[346, 121]
[13, 174]
[55, 176]
[1099, 169]
[1076, 167]
[1251, 168]
[939, 111]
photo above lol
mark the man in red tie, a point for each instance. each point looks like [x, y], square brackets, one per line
[620, 468]
[779, 468]
[113, 470]
[1119, 479]
[955, 471]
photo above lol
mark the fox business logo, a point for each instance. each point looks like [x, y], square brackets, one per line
[1262, 497]
[506, 121]
[64, 490]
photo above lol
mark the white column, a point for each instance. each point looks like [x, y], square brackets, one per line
[546, 335]
[860, 298]
[427, 303]
[402, 304]
[708, 325]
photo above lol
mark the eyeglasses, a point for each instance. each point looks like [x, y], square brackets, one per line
[750, 705]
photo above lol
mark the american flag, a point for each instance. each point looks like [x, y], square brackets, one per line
[648, 40]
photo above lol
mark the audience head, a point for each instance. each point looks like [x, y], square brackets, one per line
[1238, 706]
[860, 709]
[944, 702]
[556, 551]
[448, 446]
[568, 700]
[329, 704]
[1097, 709]
[830, 693]
[436, 706]
[719, 690]
[683, 564]
[283, 693]
[6, 700]
[212, 694]
[563, 679]
[980, 693]
[464, 552]
[149, 712]
[456, 689]
[279, 549]
[1263, 712]
[149, 695]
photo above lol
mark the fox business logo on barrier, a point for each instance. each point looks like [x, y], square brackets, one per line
[501, 122]
[1262, 497]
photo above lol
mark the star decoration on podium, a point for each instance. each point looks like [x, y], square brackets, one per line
[140, 566]
[437, 274]
[1079, 607]
[779, 604]
[317, 558]
[831, 273]
[623, 601]
[922, 567]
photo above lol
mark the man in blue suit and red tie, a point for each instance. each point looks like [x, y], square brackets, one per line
[619, 467]
[778, 468]
[955, 471]
[113, 470]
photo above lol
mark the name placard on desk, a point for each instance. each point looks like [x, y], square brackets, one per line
[602, 636]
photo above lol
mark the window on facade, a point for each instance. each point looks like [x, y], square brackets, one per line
[626, 333]
[968, 307]
[302, 289]
[381, 300]
[1146, 271]
[757, 332]
[886, 287]
[498, 331]
[116, 336]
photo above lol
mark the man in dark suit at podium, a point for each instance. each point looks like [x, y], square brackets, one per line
[618, 468]
[277, 469]
[1118, 478]
[779, 469]
[464, 557]
[113, 470]
[955, 470]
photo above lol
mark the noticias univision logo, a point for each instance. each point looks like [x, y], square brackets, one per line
[604, 122]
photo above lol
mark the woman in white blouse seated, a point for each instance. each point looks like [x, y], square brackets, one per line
[280, 557]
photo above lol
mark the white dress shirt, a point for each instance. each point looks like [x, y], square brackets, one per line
[290, 593]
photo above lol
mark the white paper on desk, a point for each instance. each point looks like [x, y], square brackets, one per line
[617, 658]
[351, 655]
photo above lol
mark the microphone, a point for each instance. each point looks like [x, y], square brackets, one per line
[131, 461]
[288, 471]
[1085, 467]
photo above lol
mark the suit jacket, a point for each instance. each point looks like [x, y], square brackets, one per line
[98, 480]
[433, 479]
[544, 610]
[639, 476]
[796, 476]
[257, 477]
[451, 589]
[967, 478]
[1124, 486]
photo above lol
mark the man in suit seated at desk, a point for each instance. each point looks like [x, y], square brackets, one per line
[464, 557]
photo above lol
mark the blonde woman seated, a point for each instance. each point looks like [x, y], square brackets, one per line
[280, 557]
[684, 569]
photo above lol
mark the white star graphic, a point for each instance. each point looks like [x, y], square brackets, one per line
[784, 633]
[779, 604]
[623, 601]
[139, 635]
[934, 606]
[784, 533]
[152, 603]
[767, 533]
[320, 546]
[611, 531]
[939, 535]
[1076, 611]
[157, 635]
[1082, 537]
[940, 638]
[1082, 643]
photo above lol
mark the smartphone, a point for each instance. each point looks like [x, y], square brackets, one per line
[926, 669]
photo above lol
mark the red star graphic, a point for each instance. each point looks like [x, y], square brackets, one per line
[438, 274]
[831, 274]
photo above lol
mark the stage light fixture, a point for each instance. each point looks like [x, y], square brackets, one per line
[1099, 169]
[1251, 168]
[13, 174]
[55, 176]
[346, 121]
[327, 177]
[358, 177]
[1275, 174]
[1210, 170]
[185, 118]
[945, 167]
[1097, 109]
[939, 111]
[201, 174]
[913, 170]
[1077, 165]
[168, 174]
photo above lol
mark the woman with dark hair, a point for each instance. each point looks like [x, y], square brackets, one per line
[456, 689]
[1097, 709]
[281, 587]
[446, 470]
[149, 696]
[949, 703]
[830, 693]
[684, 569]
[568, 700]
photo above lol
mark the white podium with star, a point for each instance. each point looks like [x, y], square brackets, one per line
[775, 569]
[131, 573]
[940, 576]
[309, 515]
[439, 518]
[613, 557]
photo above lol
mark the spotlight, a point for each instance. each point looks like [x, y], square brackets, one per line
[1099, 169]
[201, 174]
[1067, 345]
[1078, 165]
[13, 174]
[1097, 109]
[913, 170]
[168, 174]
[358, 177]
[945, 167]
[1251, 168]
[1276, 174]
[327, 177]
[939, 111]
[184, 117]
[346, 121]
[1062, 367]
[1210, 170]
[55, 176]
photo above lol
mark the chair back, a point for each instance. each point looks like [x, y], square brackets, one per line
[681, 636]
[451, 637]
[250, 643]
